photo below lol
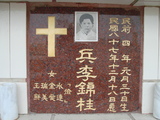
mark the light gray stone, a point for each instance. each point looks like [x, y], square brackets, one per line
[156, 105]
[138, 116]
[117, 116]
[35, 117]
[8, 101]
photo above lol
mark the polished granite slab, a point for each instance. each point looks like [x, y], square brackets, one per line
[101, 76]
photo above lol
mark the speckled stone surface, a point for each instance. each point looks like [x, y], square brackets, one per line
[70, 90]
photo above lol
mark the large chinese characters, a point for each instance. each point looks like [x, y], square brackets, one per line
[86, 86]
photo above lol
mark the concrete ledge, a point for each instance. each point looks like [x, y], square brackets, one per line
[111, 116]
[12, 80]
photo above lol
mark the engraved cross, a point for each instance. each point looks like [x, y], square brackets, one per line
[51, 31]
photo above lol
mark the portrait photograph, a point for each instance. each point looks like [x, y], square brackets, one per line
[86, 27]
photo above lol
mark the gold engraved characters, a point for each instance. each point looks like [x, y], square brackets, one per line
[52, 86]
[118, 25]
[86, 73]
[86, 55]
[86, 87]
[88, 104]
[52, 74]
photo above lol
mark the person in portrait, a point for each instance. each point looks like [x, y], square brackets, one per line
[86, 23]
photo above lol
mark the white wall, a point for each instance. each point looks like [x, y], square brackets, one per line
[18, 40]
[13, 49]
[4, 41]
[151, 61]
[13, 40]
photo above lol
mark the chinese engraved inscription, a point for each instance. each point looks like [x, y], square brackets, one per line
[125, 71]
[86, 86]
[84, 77]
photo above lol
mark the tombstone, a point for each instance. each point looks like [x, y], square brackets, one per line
[68, 74]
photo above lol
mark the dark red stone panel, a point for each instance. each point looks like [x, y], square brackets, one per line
[47, 94]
